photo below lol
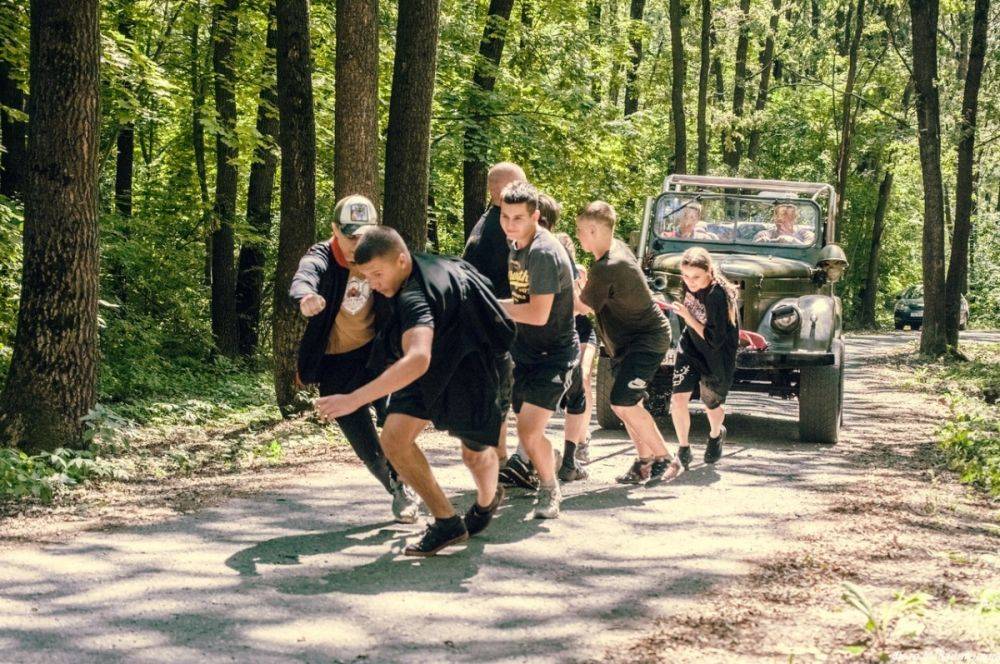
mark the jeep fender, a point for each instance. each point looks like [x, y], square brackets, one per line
[821, 318]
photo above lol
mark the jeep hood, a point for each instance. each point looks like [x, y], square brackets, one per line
[743, 266]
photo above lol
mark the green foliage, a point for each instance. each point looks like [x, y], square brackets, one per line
[11, 220]
[889, 623]
[42, 476]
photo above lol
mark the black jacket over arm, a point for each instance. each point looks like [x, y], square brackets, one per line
[320, 274]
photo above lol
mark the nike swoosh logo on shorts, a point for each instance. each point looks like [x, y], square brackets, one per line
[637, 384]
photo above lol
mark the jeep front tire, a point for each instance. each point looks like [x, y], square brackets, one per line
[606, 417]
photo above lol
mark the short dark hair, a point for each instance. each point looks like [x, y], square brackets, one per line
[520, 191]
[378, 242]
[600, 212]
[550, 211]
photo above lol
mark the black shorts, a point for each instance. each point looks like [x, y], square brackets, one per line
[505, 369]
[574, 402]
[410, 401]
[632, 373]
[687, 378]
[585, 330]
[541, 385]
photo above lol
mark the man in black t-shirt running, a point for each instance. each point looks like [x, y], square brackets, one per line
[546, 348]
[440, 346]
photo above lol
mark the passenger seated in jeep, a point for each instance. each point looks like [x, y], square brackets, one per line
[690, 226]
[784, 231]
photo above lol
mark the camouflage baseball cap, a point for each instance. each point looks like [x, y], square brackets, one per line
[353, 213]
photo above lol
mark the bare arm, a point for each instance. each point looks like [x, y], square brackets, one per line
[414, 364]
[534, 312]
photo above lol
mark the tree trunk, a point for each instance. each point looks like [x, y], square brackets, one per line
[732, 143]
[678, 74]
[356, 150]
[703, 75]
[636, 10]
[13, 132]
[870, 292]
[478, 109]
[720, 86]
[52, 380]
[766, 63]
[198, 134]
[594, 12]
[298, 186]
[924, 13]
[224, 33]
[126, 139]
[847, 118]
[250, 270]
[958, 266]
[407, 151]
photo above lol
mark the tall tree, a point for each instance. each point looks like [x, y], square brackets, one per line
[703, 75]
[298, 185]
[924, 20]
[677, 75]
[355, 150]
[197, 81]
[847, 117]
[224, 27]
[732, 142]
[615, 79]
[126, 134]
[250, 267]
[13, 134]
[407, 149]
[635, 30]
[866, 317]
[479, 110]
[766, 67]
[958, 265]
[52, 379]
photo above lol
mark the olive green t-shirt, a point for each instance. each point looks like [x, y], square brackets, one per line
[627, 318]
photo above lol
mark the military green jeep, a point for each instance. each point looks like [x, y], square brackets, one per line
[773, 239]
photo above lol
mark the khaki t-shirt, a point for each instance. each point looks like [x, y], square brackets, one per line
[354, 325]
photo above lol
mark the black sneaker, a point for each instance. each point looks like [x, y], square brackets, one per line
[713, 451]
[437, 536]
[477, 518]
[639, 473]
[583, 452]
[520, 473]
[664, 469]
[572, 472]
[684, 454]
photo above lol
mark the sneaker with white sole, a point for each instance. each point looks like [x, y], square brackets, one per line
[547, 503]
[405, 504]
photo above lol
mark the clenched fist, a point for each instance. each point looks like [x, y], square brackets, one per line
[311, 305]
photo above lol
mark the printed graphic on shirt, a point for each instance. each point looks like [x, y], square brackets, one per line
[697, 309]
[520, 285]
[357, 294]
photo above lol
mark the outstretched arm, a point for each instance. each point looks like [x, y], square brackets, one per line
[533, 312]
[414, 364]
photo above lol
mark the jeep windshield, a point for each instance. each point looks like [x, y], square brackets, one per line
[712, 219]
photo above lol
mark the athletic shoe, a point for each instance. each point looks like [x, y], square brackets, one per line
[583, 452]
[684, 454]
[639, 473]
[477, 518]
[437, 536]
[404, 503]
[664, 469]
[519, 472]
[572, 472]
[547, 503]
[713, 452]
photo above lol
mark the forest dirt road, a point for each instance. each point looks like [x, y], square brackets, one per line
[313, 572]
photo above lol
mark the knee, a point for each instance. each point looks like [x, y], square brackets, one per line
[473, 459]
[393, 444]
[680, 399]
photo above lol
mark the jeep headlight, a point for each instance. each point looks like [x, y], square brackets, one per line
[785, 318]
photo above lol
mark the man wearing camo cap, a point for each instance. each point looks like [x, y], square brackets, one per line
[344, 315]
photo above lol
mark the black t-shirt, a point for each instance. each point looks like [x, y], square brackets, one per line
[412, 310]
[627, 317]
[542, 268]
[714, 354]
[487, 251]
